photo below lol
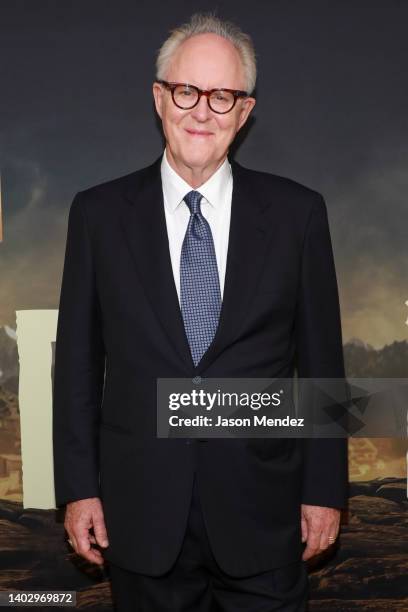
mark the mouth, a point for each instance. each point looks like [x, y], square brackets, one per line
[202, 133]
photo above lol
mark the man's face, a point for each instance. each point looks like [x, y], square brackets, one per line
[200, 138]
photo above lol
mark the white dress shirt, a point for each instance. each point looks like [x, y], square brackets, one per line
[215, 207]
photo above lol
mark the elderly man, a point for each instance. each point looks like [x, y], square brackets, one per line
[195, 266]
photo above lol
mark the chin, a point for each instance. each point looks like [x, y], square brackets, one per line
[194, 157]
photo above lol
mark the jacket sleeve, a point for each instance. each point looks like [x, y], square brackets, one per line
[320, 355]
[79, 367]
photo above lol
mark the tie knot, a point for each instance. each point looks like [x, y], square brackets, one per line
[192, 199]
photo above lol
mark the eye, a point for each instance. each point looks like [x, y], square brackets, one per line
[187, 92]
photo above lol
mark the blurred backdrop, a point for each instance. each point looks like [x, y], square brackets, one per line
[76, 109]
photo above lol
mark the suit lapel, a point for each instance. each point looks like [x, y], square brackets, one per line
[144, 225]
[245, 256]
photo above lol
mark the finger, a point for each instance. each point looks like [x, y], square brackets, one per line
[309, 552]
[313, 545]
[87, 552]
[324, 540]
[332, 537]
[100, 531]
[329, 534]
[73, 543]
[91, 555]
[83, 540]
[304, 529]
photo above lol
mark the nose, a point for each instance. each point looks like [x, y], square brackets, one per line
[201, 112]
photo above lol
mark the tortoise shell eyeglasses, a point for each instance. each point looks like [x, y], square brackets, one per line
[186, 96]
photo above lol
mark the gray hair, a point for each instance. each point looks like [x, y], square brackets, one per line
[208, 23]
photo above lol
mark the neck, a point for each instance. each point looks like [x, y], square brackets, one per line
[194, 176]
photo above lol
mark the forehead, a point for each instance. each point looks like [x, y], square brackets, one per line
[207, 60]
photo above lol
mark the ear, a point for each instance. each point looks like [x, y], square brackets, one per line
[158, 98]
[247, 106]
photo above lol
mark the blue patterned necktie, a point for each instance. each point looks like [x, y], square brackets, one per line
[200, 294]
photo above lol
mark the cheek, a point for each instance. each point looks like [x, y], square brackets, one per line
[229, 121]
[171, 119]
[226, 128]
[178, 118]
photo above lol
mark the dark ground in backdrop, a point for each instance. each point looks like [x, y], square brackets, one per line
[367, 572]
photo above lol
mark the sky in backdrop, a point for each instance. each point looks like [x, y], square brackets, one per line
[76, 109]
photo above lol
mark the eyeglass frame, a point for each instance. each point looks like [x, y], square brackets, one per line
[237, 93]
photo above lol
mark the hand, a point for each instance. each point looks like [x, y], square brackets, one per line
[318, 525]
[80, 517]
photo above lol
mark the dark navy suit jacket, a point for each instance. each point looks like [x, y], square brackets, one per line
[120, 328]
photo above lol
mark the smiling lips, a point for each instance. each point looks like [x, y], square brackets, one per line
[198, 132]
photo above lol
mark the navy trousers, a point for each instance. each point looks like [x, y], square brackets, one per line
[196, 583]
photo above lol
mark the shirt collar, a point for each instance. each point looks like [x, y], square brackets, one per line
[175, 187]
